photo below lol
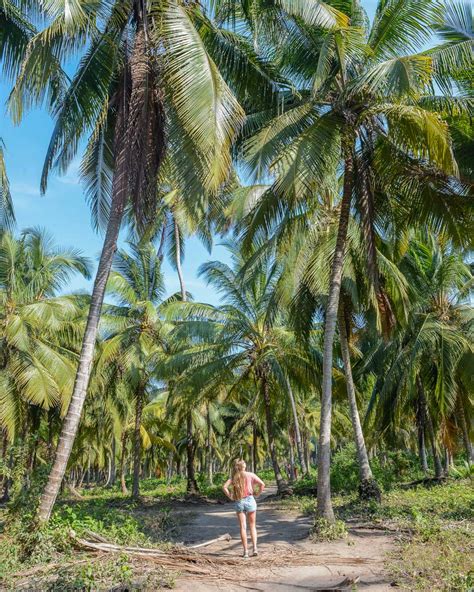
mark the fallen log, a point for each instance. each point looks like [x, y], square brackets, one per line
[426, 482]
[224, 537]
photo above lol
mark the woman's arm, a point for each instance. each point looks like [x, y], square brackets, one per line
[260, 483]
[225, 488]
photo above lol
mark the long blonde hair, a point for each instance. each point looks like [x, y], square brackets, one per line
[238, 479]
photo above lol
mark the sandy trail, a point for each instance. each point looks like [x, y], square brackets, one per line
[287, 560]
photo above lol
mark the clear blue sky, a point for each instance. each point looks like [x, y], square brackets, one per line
[63, 210]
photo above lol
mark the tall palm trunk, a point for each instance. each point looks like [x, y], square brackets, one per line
[113, 466]
[191, 485]
[324, 505]
[137, 442]
[73, 416]
[421, 427]
[209, 446]
[254, 448]
[282, 486]
[438, 467]
[123, 454]
[368, 488]
[299, 445]
[465, 433]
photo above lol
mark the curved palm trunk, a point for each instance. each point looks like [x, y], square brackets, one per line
[299, 444]
[282, 486]
[324, 505]
[73, 416]
[137, 443]
[71, 421]
[368, 487]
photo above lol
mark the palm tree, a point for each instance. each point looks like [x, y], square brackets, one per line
[37, 349]
[146, 81]
[421, 377]
[7, 214]
[366, 107]
[244, 344]
[135, 333]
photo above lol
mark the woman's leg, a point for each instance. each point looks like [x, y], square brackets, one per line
[253, 529]
[243, 530]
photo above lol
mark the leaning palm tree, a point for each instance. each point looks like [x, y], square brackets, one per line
[7, 214]
[146, 82]
[366, 108]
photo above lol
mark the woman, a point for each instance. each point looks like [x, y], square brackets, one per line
[244, 493]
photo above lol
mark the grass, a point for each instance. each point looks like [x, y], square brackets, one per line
[436, 544]
[433, 552]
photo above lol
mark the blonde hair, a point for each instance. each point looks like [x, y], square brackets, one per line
[238, 479]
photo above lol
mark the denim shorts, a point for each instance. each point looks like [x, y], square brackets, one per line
[246, 504]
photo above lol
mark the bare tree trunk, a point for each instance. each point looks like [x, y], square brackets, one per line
[421, 427]
[368, 488]
[209, 447]
[292, 475]
[73, 416]
[137, 442]
[438, 467]
[113, 466]
[299, 446]
[254, 448]
[282, 486]
[123, 455]
[191, 485]
[324, 505]
[465, 433]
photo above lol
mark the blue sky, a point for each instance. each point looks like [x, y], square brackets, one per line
[63, 211]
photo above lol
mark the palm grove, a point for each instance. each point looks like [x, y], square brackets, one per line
[334, 154]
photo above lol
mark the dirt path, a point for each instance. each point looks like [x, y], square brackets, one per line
[287, 560]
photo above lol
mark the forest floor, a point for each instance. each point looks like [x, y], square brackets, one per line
[417, 539]
[288, 560]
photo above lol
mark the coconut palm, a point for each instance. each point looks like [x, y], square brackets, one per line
[365, 107]
[135, 335]
[146, 82]
[39, 330]
[422, 378]
[245, 345]
[7, 214]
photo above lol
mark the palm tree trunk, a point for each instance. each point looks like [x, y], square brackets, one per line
[254, 447]
[368, 488]
[438, 467]
[299, 445]
[282, 486]
[209, 447]
[421, 427]
[123, 455]
[137, 442]
[113, 466]
[73, 416]
[465, 433]
[324, 505]
[292, 475]
[191, 485]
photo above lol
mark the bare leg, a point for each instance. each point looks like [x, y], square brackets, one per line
[243, 530]
[253, 529]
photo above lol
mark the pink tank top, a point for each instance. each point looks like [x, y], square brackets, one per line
[251, 479]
